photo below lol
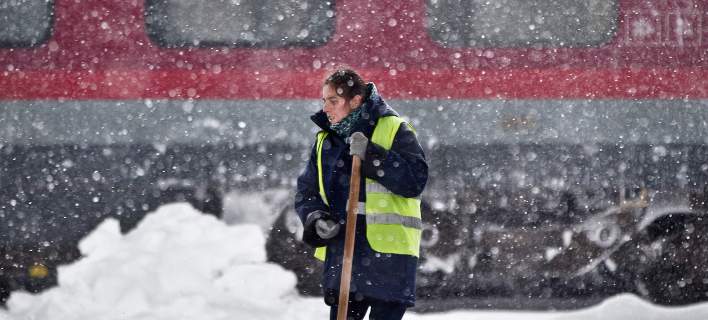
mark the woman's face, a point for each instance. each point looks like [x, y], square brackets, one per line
[335, 106]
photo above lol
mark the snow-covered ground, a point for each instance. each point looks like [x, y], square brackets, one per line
[180, 264]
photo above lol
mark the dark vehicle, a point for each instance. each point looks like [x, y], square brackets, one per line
[567, 140]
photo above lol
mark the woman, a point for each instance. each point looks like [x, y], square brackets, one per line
[355, 120]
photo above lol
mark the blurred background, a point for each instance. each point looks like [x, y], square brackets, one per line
[567, 140]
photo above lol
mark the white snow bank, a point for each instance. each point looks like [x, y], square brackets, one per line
[177, 264]
[621, 307]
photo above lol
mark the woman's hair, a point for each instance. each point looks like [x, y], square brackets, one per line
[347, 83]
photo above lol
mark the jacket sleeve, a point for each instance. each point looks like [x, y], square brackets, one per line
[307, 198]
[403, 169]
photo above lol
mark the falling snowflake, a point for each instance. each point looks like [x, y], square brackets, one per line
[642, 28]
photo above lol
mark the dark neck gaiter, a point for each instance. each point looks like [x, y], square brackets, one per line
[344, 127]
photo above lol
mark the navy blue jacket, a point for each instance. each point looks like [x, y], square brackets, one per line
[402, 169]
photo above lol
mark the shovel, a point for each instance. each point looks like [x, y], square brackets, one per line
[352, 205]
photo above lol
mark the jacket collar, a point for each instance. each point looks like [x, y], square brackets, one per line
[373, 106]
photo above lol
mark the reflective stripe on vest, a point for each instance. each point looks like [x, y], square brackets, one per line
[393, 222]
[321, 252]
[321, 136]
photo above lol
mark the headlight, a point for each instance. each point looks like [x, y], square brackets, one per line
[38, 271]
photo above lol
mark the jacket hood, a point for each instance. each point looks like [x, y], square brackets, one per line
[373, 106]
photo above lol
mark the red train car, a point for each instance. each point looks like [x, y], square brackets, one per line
[567, 140]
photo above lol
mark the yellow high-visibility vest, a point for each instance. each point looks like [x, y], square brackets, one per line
[393, 222]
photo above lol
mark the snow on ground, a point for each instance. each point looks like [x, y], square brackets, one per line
[181, 264]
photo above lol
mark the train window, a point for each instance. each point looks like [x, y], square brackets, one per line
[239, 23]
[521, 23]
[25, 23]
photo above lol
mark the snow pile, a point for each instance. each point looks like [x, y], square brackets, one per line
[177, 264]
[621, 307]
[628, 306]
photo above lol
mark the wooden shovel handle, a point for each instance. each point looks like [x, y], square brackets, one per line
[352, 206]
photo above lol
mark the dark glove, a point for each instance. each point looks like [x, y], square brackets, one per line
[357, 144]
[319, 228]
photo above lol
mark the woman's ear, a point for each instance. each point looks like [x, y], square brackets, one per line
[356, 101]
